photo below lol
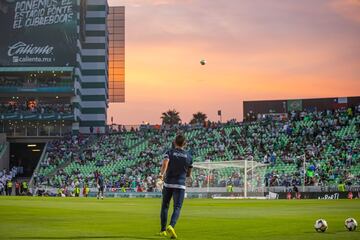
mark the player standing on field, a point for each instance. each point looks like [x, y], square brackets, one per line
[176, 166]
[100, 186]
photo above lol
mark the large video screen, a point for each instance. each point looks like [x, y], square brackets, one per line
[38, 33]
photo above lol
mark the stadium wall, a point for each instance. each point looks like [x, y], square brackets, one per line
[91, 102]
[4, 152]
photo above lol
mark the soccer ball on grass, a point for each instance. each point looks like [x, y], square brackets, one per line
[350, 224]
[321, 225]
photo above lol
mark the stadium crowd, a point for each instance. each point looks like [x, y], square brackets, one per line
[58, 152]
[34, 106]
[327, 143]
[6, 180]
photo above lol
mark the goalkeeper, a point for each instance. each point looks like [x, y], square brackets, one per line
[176, 166]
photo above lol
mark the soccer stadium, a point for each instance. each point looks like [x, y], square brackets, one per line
[78, 160]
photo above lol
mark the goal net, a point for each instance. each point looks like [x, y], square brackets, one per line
[230, 179]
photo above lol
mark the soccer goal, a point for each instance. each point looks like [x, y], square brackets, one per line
[234, 179]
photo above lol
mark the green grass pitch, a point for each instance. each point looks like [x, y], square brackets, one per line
[80, 218]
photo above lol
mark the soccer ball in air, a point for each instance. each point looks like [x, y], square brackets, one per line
[350, 224]
[320, 225]
[203, 62]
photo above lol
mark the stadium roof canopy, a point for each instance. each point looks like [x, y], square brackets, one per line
[36, 69]
[227, 164]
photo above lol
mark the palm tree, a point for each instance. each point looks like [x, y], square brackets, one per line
[198, 117]
[170, 117]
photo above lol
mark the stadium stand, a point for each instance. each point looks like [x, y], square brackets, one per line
[60, 152]
[329, 141]
[27, 106]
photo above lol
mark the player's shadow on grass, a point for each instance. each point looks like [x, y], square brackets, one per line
[88, 237]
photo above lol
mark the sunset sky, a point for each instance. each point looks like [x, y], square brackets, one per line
[255, 49]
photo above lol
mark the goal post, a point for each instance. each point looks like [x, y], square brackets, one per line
[248, 168]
